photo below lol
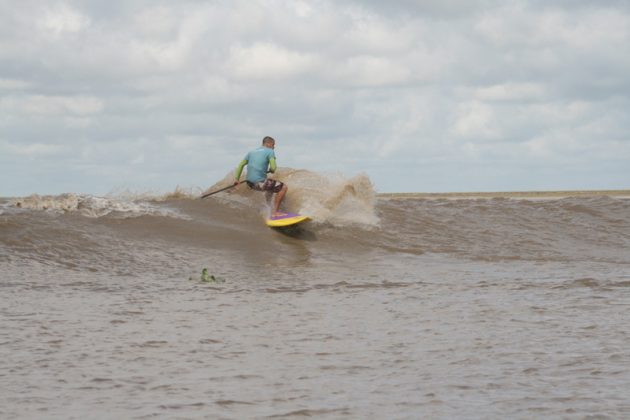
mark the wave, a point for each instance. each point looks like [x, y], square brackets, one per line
[326, 198]
[331, 199]
[92, 206]
[349, 218]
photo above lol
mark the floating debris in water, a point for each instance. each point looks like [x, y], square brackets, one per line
[209, 278]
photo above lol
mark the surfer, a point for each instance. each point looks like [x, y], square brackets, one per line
[260, 161]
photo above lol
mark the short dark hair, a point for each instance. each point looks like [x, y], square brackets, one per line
[268, 139]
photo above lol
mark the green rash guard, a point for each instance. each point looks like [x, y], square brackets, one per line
[257, 173]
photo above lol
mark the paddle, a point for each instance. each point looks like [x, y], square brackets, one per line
[222, 189]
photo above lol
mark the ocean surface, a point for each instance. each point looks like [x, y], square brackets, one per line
[379, 308]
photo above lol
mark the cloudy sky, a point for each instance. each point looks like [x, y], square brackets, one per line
[433, 95]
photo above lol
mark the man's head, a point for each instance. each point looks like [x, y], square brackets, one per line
[269, 142]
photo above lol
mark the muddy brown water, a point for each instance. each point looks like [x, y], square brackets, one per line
[378, 308]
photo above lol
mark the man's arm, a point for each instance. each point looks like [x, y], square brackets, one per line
[239, 170]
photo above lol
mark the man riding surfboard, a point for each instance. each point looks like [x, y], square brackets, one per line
[260, 161]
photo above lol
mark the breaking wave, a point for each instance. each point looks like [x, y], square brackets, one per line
[332, 198]
[347, 217]
[91, 206]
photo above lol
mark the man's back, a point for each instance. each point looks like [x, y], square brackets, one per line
[257, 163]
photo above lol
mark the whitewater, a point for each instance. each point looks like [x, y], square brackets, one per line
[382, 306]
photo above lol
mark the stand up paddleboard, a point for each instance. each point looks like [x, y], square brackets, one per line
[286, 219]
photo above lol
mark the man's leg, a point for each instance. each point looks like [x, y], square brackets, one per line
[279, 197]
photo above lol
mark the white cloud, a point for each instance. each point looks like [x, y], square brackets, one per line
[61, 18]
[267, 61]
[302, 8]
[357, 86]
[370, 71]
[13, 84]
[32, 149]
[159, 22]
[511, 92]
[476, 120]
[372, 34]
[29, 105]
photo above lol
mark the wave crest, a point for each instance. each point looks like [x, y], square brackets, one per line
[91, 206]
[327, 198]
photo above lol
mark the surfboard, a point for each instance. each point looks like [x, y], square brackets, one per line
[286, 219]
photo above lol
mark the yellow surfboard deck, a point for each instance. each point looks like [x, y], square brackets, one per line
[286, 219]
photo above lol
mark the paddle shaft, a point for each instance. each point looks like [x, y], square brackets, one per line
[222, 189]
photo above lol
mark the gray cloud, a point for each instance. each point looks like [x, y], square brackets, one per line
[149, 95]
